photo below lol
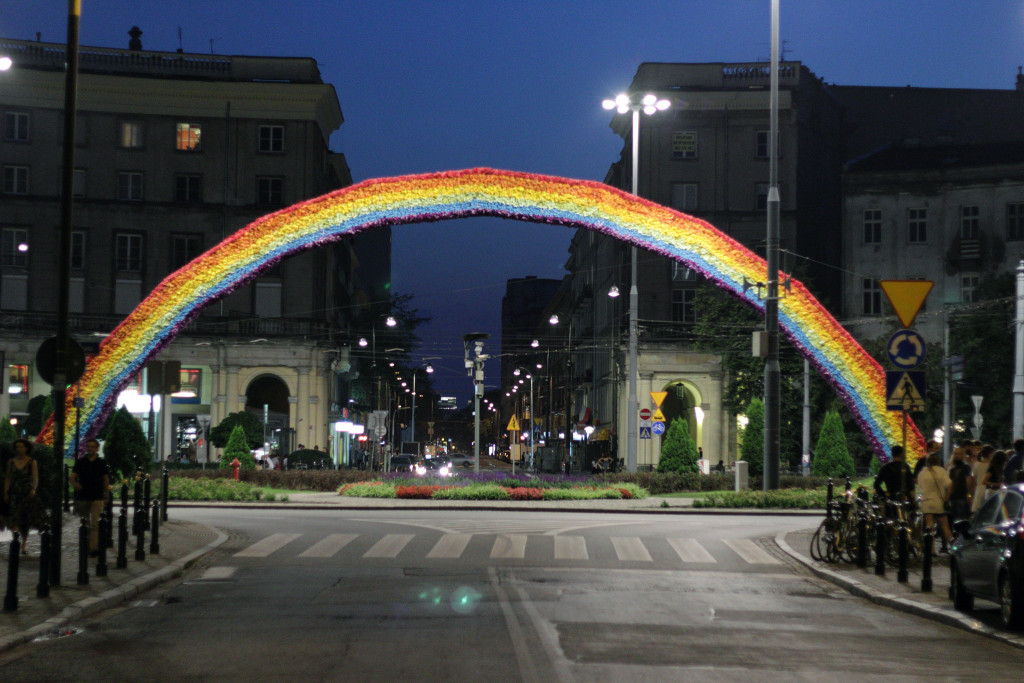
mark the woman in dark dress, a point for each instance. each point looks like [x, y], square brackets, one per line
[20, 484]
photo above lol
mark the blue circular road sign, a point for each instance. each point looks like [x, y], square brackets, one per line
[658, 427]
[906, 349]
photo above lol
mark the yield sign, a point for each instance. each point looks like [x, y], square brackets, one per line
[906, 297]
[658, 397]
[513, 425]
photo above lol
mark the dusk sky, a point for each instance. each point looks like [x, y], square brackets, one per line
[432, 86]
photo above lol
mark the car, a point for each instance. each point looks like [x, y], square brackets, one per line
[461, 460]
[987, 556]
[433, 467]
[402, 463]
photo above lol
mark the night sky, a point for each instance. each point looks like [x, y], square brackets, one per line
[432, 86]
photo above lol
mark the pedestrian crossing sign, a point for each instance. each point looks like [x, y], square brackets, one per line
[513, 425]
[904, 390]
[645, 432]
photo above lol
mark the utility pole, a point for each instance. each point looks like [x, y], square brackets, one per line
[771, 305]
[475, 357]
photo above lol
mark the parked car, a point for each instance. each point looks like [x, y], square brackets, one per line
[403, 463]
[987, 556]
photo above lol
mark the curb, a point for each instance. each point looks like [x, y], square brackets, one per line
[944, 615]
[113, 597]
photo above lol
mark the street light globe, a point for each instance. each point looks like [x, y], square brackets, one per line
[608, 104]
[553, 319]
[363, 342]
[516, 372]
[5, 63]
[391, 322]
[535, 343]
[613, 291]
[430, 368]
[649, 100]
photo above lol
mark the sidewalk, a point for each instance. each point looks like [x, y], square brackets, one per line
[180, 544]
[887, 591]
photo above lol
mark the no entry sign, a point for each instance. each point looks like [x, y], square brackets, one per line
[645, 414]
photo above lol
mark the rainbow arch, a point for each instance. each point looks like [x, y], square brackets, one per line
[856, 377]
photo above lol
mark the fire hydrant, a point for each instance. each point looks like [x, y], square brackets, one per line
[234, 468]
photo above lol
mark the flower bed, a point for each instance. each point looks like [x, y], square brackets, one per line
[491, 487]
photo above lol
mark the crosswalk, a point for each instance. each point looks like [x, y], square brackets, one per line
[635, 550]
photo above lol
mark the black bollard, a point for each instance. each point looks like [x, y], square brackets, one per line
[109, 507]
[11, 596]
[67, 489]
[140, 536]
[926, 562]
[122, 536]
[146, 499]
[137, 505]
[903, 550]
[83, 553]
[154, 541]
[43, 587]
[828, 501]
[164, 486]
[101, 562]
[862, 541]
[124, 494]
[880, 547]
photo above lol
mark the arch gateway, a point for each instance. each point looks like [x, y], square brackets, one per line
[857, 378]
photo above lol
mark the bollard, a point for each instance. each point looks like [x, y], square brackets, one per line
[122, 536]
[140, 536]
[926, 562]
[136, 505]
[903, 550]
[146, 499]
[880, 547]
[43, 587]
[67, 488]
[828, 501]
[164, 486]
[862, 541]
[11, 597]
[154, 541]
[124, 494]
[83, 552]
[101, 561]
[109, 507]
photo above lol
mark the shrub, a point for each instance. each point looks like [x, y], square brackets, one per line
[368, 489]
[525, 493]
[678, 451]
[214, 489]
[831, 456]
[238, 447]
[251, 426]
[126, 448]
[809, 499]
[475, 492]
[752, 447]
[420, 492]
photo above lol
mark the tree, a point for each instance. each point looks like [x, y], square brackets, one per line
[831, 456]
[126, 448]
[7, 431]
[39, 410]
[251, 426]
[237, 447]
[752, 446]
[678, 451]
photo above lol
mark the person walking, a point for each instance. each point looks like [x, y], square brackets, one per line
[980, 472]
[963, 487]
[936, 488]
[91, 480]
[1013, 473]
[20, 484]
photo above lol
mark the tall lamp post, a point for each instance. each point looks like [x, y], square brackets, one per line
[554, 320]
[772, 372]
[517, 372]
[648, 104]
[415, 371]
[390, 321]
[475, 357]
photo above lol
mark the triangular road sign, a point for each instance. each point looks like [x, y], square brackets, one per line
[904, 390]
[658, 397]
[906, 297]
[513, 425]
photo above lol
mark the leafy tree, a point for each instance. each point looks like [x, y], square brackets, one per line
[678, 451]
[251, 426]
[752, 446]
[39, 410]
[831, 456]
[238, 447]
[7, 431]
[126, 448]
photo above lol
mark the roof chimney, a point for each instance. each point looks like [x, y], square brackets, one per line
[135, 43]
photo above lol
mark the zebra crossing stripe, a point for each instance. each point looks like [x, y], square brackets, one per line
[267, 545]
[690, 550]
[329, 545]
[389, 546]
[509, 546]
[751, 552]
[450, 546]
[218, 573]
[571, 548]
[630, 549]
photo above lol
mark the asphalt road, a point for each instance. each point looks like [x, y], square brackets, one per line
[504, 596]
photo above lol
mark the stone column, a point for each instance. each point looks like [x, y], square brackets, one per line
[231, 392]
[304, 421]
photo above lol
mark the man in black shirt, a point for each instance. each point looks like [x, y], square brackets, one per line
[895, 480]
[91, 481]
[963, 486]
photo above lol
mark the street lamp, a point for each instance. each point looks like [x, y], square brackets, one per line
[554, 320]
[533, 448]
[648, 104]
[415, 371]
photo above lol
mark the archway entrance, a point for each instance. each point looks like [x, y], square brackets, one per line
[266, 397]
[682, 402]
[856, 377]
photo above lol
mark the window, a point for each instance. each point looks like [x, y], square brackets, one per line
[872, 297]
[680, 273]
[77, 249]
[15, 179]
[683, 310]
[917, 225]
[268, 299]
[184, 248]
[684, 196]
[14, 292]
[761, 144]
[190, 383]
[684, 144]
[78, 183]
[17, 379]
[269, 191]
[987, 514]
[1015, 221]
[188, 188]
[16, 126]
[968, 283]
[14, 247]
[969, 222]
[128, 258]
[129, 186]
[76, 295]
[127, 295]
[761, 196]
[130, 135]
[189, 137]
[271, 139]
[873, 226]
[1012, 503]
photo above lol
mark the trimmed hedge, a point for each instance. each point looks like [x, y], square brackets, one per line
[793, 499]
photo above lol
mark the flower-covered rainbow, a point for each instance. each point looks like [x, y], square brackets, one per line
[856, 377]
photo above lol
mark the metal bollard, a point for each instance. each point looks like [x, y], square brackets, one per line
[109, 508]
[154, 541]
[146, 500]
[83, 553]
[862, 541]
[164, 485]
[43, 587]
[828, 501]
[140, 536]
[67, 488]
[881, 547]
[101, 562]
[11, 597]
[903, 550]
[122, 536]
[926, 562]
[124, 494]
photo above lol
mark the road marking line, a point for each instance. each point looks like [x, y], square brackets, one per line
[509, 546]
[267, 545]
[751, 552]
[690, 550]
[571, 548]
[217, 573]
[389, 546]
[527, 670]
[450, 546]
[630, 549]
[329, 545]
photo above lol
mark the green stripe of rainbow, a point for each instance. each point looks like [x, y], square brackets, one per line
[857, 378]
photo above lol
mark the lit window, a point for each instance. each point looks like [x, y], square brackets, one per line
[17, 380]
[130, 136]
[189, 137]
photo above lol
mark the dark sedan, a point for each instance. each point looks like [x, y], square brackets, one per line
[988, 556]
